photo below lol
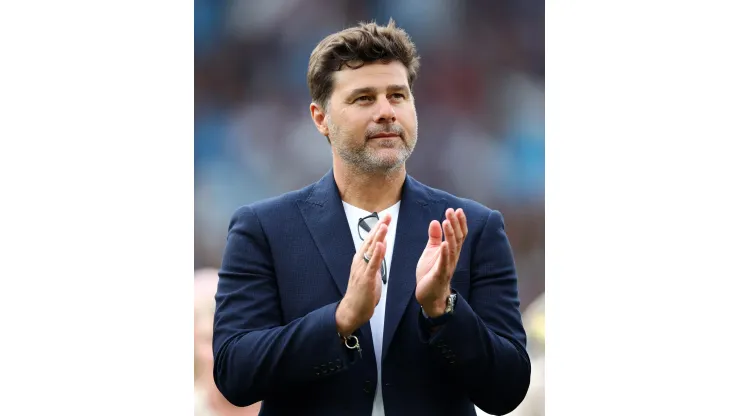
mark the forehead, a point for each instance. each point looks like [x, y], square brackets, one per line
[373, 75]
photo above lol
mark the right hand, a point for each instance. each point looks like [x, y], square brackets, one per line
[364, 286]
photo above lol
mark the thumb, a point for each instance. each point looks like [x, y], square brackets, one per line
[435, 233]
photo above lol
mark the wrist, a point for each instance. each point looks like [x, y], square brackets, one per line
[344, 321]
[436, 308]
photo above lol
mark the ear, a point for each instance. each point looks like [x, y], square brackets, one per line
[319, 119]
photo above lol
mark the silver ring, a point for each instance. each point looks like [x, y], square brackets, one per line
[366, 258]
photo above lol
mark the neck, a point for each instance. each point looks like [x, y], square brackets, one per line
[372, 192]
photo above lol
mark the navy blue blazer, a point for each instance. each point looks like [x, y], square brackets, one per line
[285, 268]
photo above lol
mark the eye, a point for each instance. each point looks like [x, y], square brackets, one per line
[364, 98]
[398, 96]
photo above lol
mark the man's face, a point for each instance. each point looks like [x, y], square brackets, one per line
[371, 117]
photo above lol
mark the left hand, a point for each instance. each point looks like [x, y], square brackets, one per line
[439, 260]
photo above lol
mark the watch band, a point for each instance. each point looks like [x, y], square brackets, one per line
[442, 319]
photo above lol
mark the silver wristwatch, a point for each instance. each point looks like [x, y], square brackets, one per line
[442, 319]
[451, 303]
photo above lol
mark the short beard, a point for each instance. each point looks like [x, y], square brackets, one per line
[363, 160]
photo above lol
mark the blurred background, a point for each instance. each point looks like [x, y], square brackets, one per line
[480, 100]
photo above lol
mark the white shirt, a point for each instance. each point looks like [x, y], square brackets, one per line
[377, 321]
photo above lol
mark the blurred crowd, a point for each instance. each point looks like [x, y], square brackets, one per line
[479, 96]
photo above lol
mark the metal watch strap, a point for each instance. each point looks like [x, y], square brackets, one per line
[442, 319]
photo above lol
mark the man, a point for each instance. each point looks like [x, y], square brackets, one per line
[367, 292]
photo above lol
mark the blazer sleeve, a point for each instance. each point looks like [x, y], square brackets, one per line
[255, 355]
[483, 344]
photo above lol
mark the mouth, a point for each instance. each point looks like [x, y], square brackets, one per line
[383, 135]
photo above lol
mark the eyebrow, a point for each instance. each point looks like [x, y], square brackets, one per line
[373, 90]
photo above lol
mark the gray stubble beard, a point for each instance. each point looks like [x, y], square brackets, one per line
[364, 160]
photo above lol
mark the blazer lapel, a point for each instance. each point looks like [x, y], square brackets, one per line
[415, 214]
[326, 220]
[324, 215]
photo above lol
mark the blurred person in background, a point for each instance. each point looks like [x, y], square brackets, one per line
[318, 314]
[208, 400]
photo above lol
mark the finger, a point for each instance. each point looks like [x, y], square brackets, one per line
[382, 228]
[435, 234]
[370, 236]
[380, 235]
[451, 264]
[373, 267]
[452, 216]
[383, 225]
[376, 234]
[463, 222]
[358, 262]
[450, 236]
[386, 219]
[369, 253]
[444, 260]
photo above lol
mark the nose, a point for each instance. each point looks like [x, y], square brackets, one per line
[385, 113]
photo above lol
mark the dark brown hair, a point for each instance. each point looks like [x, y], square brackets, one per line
[353, 47]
